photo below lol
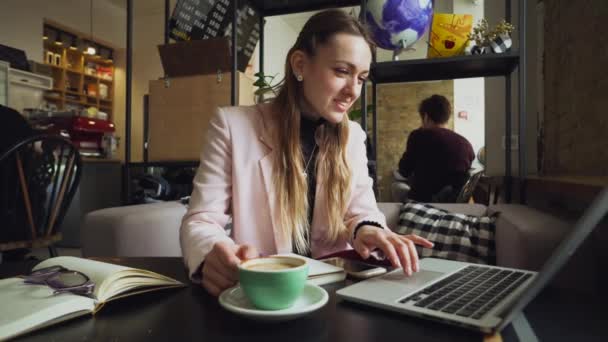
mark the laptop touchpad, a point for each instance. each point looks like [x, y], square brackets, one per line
[418, 279]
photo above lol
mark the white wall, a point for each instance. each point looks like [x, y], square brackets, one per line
[279, 37]
[21, 22]
[495, 97]
[469, 95]
[148, 33]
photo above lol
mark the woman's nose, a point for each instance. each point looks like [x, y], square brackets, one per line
[352, 88]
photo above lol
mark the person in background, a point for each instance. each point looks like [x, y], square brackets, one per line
[292, 173]
[435, 156]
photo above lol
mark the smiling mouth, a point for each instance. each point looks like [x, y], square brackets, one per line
[342, 104]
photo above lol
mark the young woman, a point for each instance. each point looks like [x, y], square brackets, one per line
[292, 173]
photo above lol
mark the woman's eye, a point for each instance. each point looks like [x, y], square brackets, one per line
[342, 71]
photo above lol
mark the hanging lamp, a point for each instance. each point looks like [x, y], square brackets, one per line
[91, 48]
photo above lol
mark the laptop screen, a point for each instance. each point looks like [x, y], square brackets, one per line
[583, 227]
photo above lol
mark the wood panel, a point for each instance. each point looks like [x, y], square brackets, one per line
[179, 112]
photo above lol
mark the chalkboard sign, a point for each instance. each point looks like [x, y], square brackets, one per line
[203, 19]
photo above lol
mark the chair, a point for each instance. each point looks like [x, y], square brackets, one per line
[400, 187]
[463, 195]
[38, 179]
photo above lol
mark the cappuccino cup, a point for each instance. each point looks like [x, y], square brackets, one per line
[273, 283]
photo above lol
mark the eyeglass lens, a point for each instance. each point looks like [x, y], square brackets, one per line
[67, 279]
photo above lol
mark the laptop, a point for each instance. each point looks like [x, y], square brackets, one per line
[478, 297]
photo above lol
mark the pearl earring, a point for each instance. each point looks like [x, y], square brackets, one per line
[299, 78]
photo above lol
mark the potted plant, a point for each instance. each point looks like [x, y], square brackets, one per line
[486, 40]
[266, 86]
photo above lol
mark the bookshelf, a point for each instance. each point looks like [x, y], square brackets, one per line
[80, 80]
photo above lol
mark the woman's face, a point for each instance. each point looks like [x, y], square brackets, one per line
[332, 79]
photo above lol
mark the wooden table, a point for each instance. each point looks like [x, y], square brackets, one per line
[190, 314]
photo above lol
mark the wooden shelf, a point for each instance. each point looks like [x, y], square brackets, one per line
[54, 66]
[69, 78]
[52, 98]
[74, 101]
[72, 71]
[444, 68]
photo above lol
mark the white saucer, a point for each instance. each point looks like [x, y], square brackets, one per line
[312, 298]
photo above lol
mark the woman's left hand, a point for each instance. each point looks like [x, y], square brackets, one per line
[399, 249]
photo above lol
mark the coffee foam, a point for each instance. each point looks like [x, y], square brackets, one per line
[277, 263]
[269, 266]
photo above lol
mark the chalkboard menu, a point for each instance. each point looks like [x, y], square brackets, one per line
[203, 19]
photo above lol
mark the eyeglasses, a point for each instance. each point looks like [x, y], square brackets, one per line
[61, 280]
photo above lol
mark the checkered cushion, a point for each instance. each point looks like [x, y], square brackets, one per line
[456, 236]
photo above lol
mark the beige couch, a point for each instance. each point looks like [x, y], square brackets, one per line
[525, 237]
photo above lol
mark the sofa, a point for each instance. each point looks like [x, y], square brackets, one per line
[525, 237]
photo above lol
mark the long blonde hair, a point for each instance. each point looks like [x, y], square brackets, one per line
[331, 163]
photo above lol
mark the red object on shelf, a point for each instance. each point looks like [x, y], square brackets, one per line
[86, 133]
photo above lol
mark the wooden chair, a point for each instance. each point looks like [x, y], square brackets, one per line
[38, 179]
[449, 194]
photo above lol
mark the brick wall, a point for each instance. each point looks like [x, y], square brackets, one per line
[397, 117]
[576, 88]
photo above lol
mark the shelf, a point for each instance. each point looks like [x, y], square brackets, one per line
[73, 101]
[51, 98]
[273, 7]
[445, 68]
[72, 92]
[53, 66]
[74, 71]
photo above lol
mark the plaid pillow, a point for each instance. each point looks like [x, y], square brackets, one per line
[456, 236]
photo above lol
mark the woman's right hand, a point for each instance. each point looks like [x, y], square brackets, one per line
[220, 269]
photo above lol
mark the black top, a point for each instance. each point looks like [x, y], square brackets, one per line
[433, 159]
[308, 128]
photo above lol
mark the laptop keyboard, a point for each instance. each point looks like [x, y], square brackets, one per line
[470, 292]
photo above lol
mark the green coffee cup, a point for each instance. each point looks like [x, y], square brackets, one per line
[273, 283]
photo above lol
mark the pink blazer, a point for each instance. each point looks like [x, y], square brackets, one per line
[234, 180]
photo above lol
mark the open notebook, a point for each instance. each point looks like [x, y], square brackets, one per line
[27, 307]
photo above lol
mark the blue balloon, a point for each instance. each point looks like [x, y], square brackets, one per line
[398, 24]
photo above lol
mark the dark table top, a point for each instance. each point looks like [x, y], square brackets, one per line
[187, 314]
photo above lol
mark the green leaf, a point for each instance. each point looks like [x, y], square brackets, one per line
[260, 83]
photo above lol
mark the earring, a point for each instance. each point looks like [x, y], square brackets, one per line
[299, 78]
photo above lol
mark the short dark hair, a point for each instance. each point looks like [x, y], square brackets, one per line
[437, 108]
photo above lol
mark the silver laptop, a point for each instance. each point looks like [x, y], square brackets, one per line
[478, 297]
